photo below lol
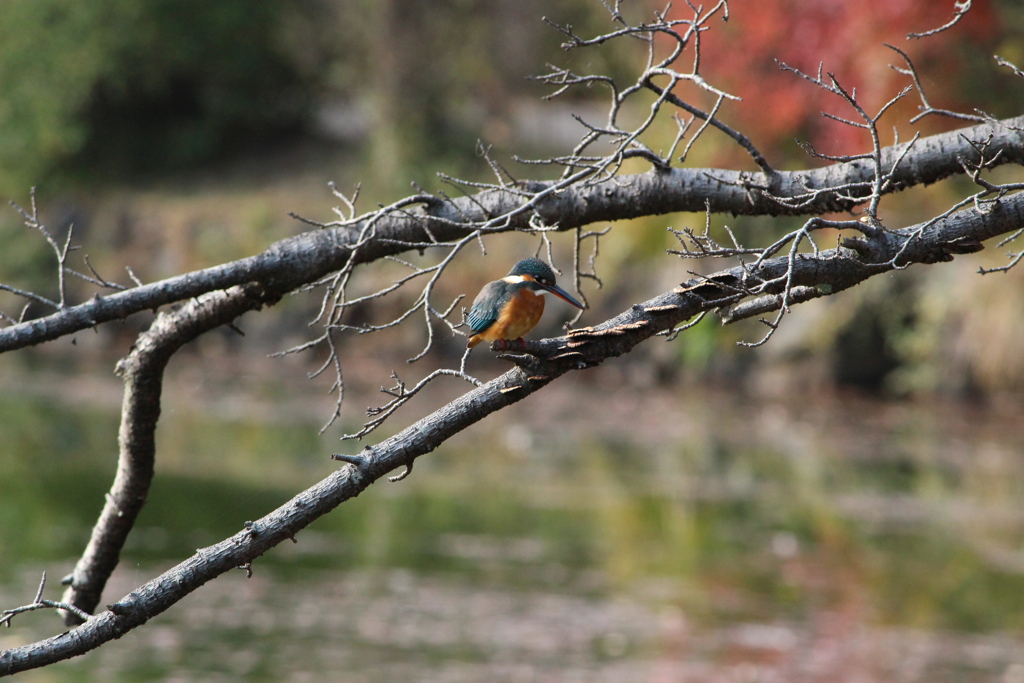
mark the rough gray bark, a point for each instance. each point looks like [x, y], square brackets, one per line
[143, 373]
[296, 261]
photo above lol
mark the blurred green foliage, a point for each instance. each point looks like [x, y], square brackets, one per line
[28, 261]
[436, 76]
[108, 89]
[126, 86]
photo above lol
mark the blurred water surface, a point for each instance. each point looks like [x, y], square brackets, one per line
[645, 536]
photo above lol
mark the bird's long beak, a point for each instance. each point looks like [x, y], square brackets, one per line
[562, 294]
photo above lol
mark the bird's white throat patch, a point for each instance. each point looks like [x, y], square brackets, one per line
[516, 279]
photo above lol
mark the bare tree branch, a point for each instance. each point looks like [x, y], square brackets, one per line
[926, 107]
[297, 261]
[538, 364]
[143, 371]
[41, 603]
[960, 8]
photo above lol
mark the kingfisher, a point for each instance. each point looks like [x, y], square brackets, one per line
[510, 307]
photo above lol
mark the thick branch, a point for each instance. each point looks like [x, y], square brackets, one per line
[296, 261]
[143, 371]
[830, 271]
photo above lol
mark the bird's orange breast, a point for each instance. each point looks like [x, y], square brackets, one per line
[520, 315]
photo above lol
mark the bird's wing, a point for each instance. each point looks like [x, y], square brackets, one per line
[484, 313]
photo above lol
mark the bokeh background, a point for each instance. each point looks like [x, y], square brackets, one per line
[841, 504]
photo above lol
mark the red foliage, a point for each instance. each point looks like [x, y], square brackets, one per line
[847, 36]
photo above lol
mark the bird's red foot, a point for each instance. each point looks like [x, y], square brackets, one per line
[511, 344]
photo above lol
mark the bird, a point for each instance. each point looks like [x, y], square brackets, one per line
[508, 308]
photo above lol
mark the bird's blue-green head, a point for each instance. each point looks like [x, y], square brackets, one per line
[537, 275]
[535, 268]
